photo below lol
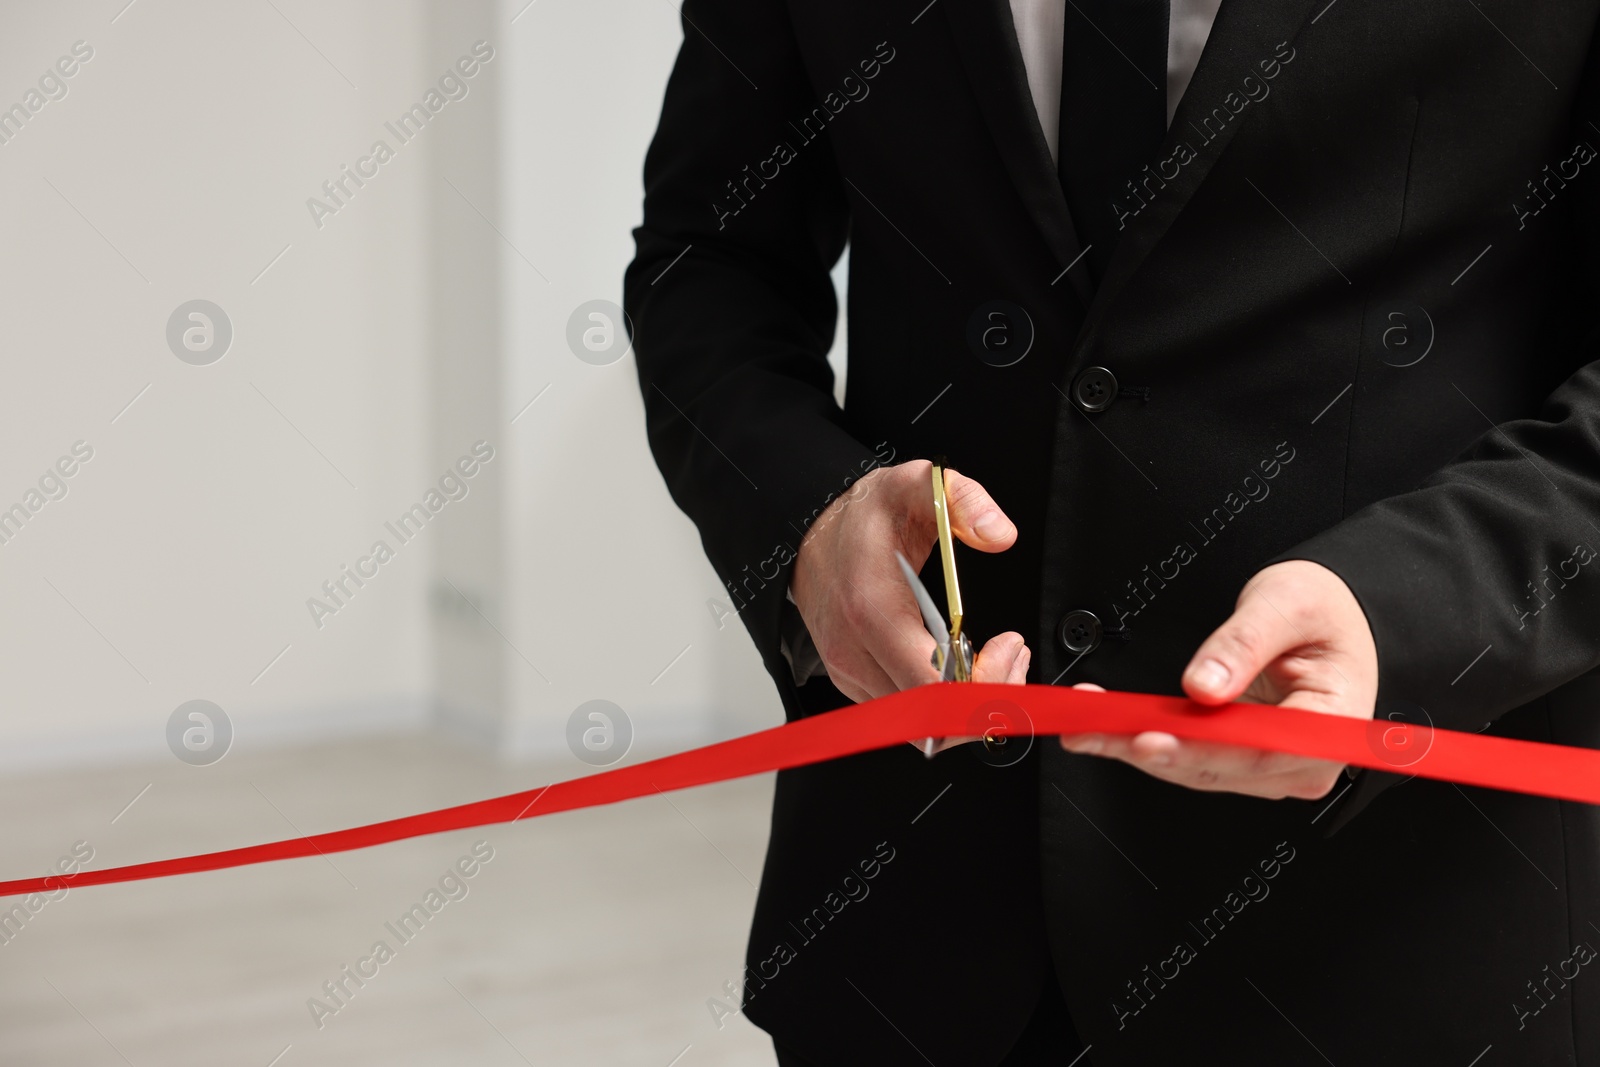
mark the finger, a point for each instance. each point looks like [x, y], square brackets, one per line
[860, 677]
[1212, 767]
[1215, 767]
[974, 516]
[1019, 667]
[1229, 660]
[1087, 744]
[997, 660]
[1204, 765]
[1210, 761]
[857, 655]
[1110, 746]
[855, 693]
[885, 615]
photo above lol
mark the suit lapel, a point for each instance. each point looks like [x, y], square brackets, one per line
[987, 41]
[1245, 33]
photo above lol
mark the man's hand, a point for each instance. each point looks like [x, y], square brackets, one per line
[1297, 638]
[855, 601]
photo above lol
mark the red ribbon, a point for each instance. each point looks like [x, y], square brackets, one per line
[953, 710]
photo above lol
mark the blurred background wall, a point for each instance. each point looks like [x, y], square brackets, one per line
[243, 345]
[375, 340]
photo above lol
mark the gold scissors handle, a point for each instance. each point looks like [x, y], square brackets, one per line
[959, 646]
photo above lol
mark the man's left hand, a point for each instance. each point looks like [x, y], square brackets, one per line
[1298, 639]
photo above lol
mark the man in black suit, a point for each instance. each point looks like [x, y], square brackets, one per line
[1287, 394]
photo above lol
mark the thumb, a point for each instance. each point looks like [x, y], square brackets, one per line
[974, 516]
[1241, 648]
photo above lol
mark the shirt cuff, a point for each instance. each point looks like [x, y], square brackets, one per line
[795, 643]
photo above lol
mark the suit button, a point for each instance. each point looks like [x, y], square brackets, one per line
[1094, 389]
[1080, 632]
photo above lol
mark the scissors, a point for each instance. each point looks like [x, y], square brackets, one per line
[952, 654]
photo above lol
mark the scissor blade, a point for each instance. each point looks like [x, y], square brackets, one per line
[935, 624]
[930, 614]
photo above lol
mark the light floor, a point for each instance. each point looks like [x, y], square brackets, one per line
[591, 937]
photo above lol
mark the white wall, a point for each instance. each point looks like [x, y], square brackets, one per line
[189, 544]
[374, 351]
[607, 574]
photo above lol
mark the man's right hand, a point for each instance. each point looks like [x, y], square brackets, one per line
[854, 600]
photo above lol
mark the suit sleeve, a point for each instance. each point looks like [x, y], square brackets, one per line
[732, 308]
[1482, 585]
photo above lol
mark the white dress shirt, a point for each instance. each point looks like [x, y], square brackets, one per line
[1039, 32]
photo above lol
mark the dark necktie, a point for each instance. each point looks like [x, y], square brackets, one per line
[1113, 113]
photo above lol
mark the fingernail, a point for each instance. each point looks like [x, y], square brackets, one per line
[1089, 745]
[1212, 674]
[991, 526]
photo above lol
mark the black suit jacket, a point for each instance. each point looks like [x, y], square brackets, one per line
[1351, 316]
